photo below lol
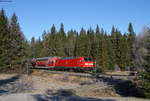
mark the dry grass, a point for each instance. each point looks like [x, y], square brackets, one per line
[5, 76]
[126, 73]
[46, 85]
[96, 90]
[80, 85]
[40, 82]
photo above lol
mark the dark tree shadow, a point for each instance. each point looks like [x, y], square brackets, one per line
[7, 81]
[65, 95]
[3, 92]
[124, 88]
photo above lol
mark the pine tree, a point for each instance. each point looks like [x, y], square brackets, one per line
[4, 41]
[39, 48]
[18, 49]
[71, 40]
[32, 48]
[81, 46]
[110, 53]
[130, 28]
[103, 63]
[114, 42]
[131, 40]
[116, 39]
[52, 41]
[98, 47]
[124, 49]
[91, 42]
[60, 42]
[45, 50]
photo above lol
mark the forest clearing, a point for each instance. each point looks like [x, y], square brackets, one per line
[41, 86]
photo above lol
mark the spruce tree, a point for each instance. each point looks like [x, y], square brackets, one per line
[110, 53]
[70, 43]
[45, 50]
[124, 52]
[52, 41]
[4, 41]
[114, 42]
[81, 46]
[91, 42]
[97, 52]
[39, 48]
[32, 48]
[118, 48]
[117, 39]
[103, 51]
[18, 42]
[60, 42]
[131, 40]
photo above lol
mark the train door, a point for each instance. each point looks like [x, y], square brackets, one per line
[52, 62]
[49, 63]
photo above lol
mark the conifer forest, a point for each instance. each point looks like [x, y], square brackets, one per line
[129, 51]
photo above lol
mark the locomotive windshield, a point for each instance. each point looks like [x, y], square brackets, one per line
[87, 59]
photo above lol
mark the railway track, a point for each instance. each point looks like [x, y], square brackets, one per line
[65, 73]
[84, 74]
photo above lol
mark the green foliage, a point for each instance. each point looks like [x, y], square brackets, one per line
[82, 44]
[108, 50]
[145, 74]
[70, 43]
[111, 54]
[12, 43]
[4, 41]
[17, 49]
[131, 40]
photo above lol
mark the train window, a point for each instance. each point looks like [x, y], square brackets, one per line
[90, 59]
[87, 59]
[80, 61]
[50, 62]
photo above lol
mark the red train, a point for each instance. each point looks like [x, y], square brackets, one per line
[84, 63]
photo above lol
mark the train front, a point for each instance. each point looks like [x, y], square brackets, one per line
[88, 63]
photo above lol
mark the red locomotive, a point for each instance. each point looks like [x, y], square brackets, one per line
[84, 63]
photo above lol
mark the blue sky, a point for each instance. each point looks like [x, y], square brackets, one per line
[37, 15]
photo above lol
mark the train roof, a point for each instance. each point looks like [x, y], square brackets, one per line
[46, 57]
[71, 57]
[68, 57]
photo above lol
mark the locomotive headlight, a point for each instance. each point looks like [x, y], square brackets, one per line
[86, 63]
[90, 63]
